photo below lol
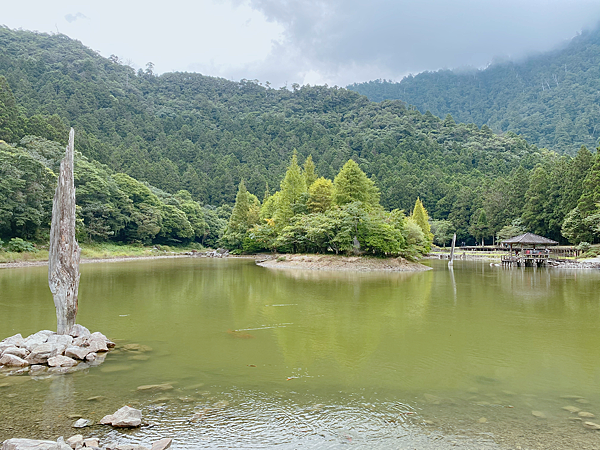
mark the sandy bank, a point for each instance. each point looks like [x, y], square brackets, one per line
[90, 260]
[346, 263]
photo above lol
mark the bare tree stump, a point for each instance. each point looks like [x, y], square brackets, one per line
[63, 260]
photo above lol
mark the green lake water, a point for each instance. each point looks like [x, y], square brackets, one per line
[476, 357]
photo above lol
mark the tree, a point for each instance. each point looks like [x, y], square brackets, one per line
[310, 172]
[421, 218]
[480, 227]
[292, 199]
[351, 184]
[243, 216]
[442, 231]
[320, 195]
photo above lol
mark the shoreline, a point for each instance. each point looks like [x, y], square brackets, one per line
[341, 263]
[12, 265]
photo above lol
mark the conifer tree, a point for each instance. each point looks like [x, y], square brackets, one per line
[293, 194]
[421, 218]
[310, 172]
[351, 184]
[245, 214]
[320, 195]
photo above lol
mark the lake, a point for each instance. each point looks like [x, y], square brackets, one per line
[249, 357]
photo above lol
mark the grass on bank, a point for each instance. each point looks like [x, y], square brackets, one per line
[97, 250]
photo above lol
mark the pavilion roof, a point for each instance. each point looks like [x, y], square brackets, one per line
[529, 239]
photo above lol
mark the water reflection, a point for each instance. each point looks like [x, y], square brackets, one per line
[269, 357]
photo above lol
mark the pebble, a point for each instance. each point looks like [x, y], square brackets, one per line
[538, 414]
[572, 409]
[156, 387]
[583, 401]
[482, 420]
[591, 425]
[82, 423]
[588, 415]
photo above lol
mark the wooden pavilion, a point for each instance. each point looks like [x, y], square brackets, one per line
[527, 250]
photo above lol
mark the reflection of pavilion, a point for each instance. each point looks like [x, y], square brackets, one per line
[530, 250]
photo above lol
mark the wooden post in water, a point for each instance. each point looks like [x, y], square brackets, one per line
[451, 262]
[63, 259]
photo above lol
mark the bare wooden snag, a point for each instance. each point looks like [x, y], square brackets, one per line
[63, 260]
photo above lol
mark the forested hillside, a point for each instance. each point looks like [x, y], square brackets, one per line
[551, 99]
[157, 145]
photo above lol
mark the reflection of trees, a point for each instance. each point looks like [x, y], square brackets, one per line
[342, 316]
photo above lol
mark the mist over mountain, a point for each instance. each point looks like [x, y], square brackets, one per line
[551, 99]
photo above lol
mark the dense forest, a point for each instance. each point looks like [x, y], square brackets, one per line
[551, 99]
[162, 158]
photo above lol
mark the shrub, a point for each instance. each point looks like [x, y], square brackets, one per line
[19, 245]
[584, 246]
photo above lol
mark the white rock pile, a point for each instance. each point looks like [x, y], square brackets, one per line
[46, 348]
[78, 442]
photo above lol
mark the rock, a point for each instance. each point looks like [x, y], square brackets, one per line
[126, 417]
[75, 441]
[155, 387]
[591, 425]
[163, 444]
[482, 420]
[13, 361]
[91, 357]
[91, 442]
[78, 330]
[588, 415]
[130, 447]
[97, 345]
[36, 339]
[61, 444]
[77, 352]
[137, 347]
[62, 339]
[583, 401]
[16, 340]
[28, 444]
[61, 361]
[572, 409]
[538, 414]
[17, 351]
[82, 423]
[41, 353]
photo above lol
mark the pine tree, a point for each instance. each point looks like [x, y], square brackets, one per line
[239, 221]
[293, 194]
[310, 172]
[320, 195]
[351, 184]
[421, 218]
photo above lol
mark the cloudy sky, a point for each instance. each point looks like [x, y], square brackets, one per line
[309, 41]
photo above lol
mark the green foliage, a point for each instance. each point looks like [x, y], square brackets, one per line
[292, 199]
[18, 245]
[245, 214]
[421, 218]
[550, 99]
[442, 231]
[351, 184]
[320, 195]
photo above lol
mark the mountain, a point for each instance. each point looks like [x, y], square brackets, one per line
[551, 99]
[146, 137]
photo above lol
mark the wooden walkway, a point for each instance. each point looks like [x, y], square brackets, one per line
[527, 260]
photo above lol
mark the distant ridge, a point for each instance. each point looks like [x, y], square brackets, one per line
[552, 99]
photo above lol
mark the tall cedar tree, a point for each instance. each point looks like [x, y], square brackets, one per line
[421, 217]
[293, 194]
[351, 184]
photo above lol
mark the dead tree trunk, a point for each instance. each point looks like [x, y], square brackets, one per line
[63, 260]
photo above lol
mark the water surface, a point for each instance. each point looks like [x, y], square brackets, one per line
[262, 358]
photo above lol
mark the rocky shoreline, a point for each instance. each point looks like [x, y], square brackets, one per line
[340, 263]
[47, 351]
